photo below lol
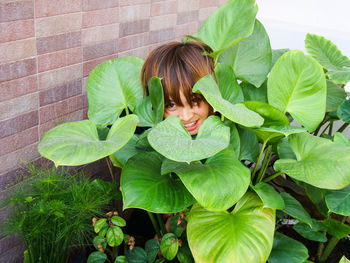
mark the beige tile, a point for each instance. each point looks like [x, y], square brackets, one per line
[134, 12]
[204, 13]
[60, 76]
[99, 34]
[141, 52]
[17, 50]
[54, 25]
[19, 105]
[187, 5]
[162, 22]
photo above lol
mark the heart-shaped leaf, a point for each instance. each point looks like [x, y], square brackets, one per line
[244, 235]
[173, 141]
[341, 139]
[339, 201]
[169, 246]
[344, 260]
[143, 186]
[320, 162]
[336, 228]
[250, 58]
[228, 25]
[249, 146]
[113, 86]
[277, 53]
[269, 196]
[252, 93]
[315, 233]
[151, 109]
[274, 133]
[238, 113]
[295, 209]
[287, 250]
[222, 175]
[77, 143]
[229, 88]
[335, 96]
[297, 85]
[343, 111]
[284, 150]
[329, 56]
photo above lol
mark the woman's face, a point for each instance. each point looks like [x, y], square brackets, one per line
[191, 117]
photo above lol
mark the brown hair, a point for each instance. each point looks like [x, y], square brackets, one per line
[180, 65]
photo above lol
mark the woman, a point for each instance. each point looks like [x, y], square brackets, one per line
[180, 66]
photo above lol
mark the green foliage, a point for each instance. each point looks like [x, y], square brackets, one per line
[258, 92]
[51, 211]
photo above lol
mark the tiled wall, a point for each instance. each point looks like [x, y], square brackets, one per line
[48, 48]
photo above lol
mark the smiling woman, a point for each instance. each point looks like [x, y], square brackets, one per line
[180, 66]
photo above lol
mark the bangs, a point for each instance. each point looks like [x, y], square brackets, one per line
[179, 66]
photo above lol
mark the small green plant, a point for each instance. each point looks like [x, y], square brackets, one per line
[51, 211]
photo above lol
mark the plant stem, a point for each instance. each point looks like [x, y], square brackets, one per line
[329, 248]
[325, 128]
[110, 168]
[222, 117]
[154, 223]
[265, 163]
[330, 129]
[272, 177]
[161, 223]
[126, 111]
[258, 161]
[331, 245]
[343, 127]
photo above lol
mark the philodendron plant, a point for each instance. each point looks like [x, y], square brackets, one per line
[274, 126]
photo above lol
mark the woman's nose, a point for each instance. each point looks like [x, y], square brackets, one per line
[187, 113]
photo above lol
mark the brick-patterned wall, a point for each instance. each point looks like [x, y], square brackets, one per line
[48, 48]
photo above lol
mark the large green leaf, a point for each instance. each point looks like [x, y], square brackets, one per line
[336, 228]
[249, 146]
[222, 175]
[250, 58]
[269, 196]
[287, 250]
[252, 93]
[136, 255]
[329, 56]
[315, 233]
[341, 139]
[235, 140]
[143, 186]
[274, 133]
[343, 111]
[344, 260]
[238, 113]
[77, 143]
[114, 236]
[277, 53]
[229, 88]
[320, 162]
[272, 116]
[297, 85]
[120, 157]
[335, 96]
[243, 235]
[113, 86]
[295, 209]
[284, 150]
[151, 109]
[173, 141]
[152, 247]
[339, 201]
[229, 24]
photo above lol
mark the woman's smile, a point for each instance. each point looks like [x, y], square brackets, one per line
[191, 117]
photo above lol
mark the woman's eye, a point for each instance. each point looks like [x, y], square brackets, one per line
[196, 101]
[170, 106]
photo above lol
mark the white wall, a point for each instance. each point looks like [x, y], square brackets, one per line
[288, 21]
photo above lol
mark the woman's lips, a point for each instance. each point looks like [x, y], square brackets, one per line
[191, 126]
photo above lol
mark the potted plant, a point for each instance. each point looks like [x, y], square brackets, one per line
[277, 109]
